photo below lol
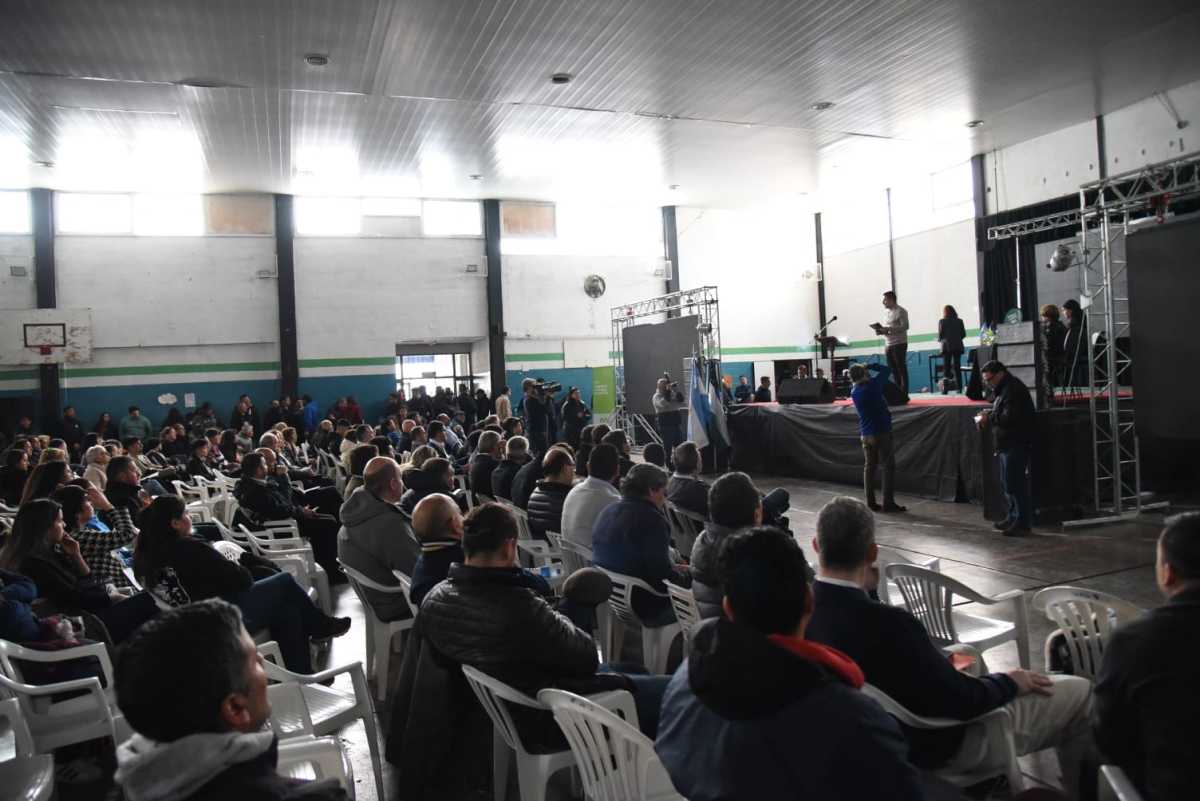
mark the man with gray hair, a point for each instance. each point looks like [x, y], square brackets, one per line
[376, 537]
[897, 656]
[516, 455]
[485, 462]
[632, 537]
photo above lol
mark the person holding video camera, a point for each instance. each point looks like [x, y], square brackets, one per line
[537, 415]
[666, 400]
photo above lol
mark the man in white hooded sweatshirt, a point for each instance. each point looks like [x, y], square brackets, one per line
[192, 686]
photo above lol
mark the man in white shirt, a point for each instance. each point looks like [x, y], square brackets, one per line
[895, 333]
[590, 497]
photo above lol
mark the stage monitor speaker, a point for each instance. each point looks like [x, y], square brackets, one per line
[804, 390]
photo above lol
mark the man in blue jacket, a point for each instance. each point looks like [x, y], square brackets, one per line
[875, 428]
[633, 537]
[759, 712]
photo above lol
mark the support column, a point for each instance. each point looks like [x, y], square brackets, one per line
[979, 194]
[41, 203]
[495, 293]
[1101, 149]
[285, 281]
[891, 240]
[820, 278]
[671, 247]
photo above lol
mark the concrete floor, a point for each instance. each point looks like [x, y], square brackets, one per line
[1117, 559]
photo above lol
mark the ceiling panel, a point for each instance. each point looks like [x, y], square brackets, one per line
[711, 95]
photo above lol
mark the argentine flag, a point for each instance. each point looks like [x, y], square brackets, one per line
[706, 411]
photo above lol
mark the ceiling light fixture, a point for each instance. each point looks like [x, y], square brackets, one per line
[316, 59]
[673, 187]
[475, 176]
[974, 123]
[559, 78]
[821, 105]
[49, 165]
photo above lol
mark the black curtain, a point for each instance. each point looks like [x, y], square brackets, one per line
[999, 291]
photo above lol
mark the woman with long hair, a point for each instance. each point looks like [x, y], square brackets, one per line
[105, 426]
[40, 548]
[79, 507]
[45, 479]
[1054, 334]
[13, 475]
[583, 451]
[168, 556]
[229, 446]
[951, 334]
[1076, 344]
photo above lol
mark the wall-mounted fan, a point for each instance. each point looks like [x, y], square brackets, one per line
[594, 286]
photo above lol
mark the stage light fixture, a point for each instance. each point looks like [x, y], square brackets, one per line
[1061, 260]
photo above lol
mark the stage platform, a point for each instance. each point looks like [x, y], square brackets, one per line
[939, 451]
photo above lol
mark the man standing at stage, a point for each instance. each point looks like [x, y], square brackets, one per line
[895, 333]
[744, 391]
[875, 429]
[667, 399]
[763, 393]
[1012, 419]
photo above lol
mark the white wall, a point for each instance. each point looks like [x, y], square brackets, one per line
[17, 292]
[755, 257]
[358, 297]
[934, 269]
[854, 284]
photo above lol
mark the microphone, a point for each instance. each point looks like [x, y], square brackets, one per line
[832, 319]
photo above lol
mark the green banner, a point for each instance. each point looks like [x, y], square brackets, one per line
[603, 400]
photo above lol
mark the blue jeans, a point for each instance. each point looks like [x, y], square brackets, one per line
[1014, 481]
[280, 606]
[648, 692]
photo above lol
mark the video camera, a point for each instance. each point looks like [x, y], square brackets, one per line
[547, 387]
[670, 384]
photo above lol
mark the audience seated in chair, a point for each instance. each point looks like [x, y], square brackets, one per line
[516, 454]
[374, 538]
[438, 524]
[40, 549]
[79, 508]
[897, 656]
[1147, 695]
[192, 687]
[686, 489]
[633, 537]
[758, 711]
[359, 456]
[13, 475]
[123, 488]
[734, 505]
[95, 460]
[590, 497]
[546, 503]
[197, 466]
[621, 442]
[45, 479]
[178, 568]
[436, 475]
[526, 479]
[261, 500]
[496, 617]
[484, 463]
[655, 454]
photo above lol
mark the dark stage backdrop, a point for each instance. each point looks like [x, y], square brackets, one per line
[651, 350]
[1164, 287]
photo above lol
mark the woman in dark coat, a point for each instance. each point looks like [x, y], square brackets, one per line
[13, 476]
[575, 415]
[1054, 335]
[1075, 344]
[951, 333]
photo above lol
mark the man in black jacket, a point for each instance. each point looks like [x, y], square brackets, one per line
[686, 489]
[484, 463]
[760, 712]
[492, 615]
[71, 431]
[1012, 420]
[191, 685]
[516, 454]
[897, 656]
[1147, 696]
[438, 524]
[546, 501]
[735, 506]
[537, 417]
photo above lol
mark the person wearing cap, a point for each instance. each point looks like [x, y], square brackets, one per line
[1011, 418]
[759, 711]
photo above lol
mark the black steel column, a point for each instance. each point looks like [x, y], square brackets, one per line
[495, 293]
[285, 281]
[1101, 148]
[891, 240]
[41, 203]
[671, 245]
[821, 276]
[979, 194]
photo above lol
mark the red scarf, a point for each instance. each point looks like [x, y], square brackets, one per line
[833, 659]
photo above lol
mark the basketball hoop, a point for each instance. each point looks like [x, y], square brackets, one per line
[45, 350]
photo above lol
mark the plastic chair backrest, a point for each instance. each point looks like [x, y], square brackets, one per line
[10, 710]
[687, 611]
[492, 695]
[613, 757]
[1116, 786]
[1087, 619]
[621, 597]
[289, 710]
[927, 598]
[406, 587]
[572, 559]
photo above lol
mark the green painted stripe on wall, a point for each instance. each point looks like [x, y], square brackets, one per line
[18, 375]
[164, 369]
[533, 357]
[769, 349]
[360, 361]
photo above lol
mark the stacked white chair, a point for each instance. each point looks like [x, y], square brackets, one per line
[315, 758]
[28, 776]
[687, 611]
[276, 543]
[656, 640]
[888, 592]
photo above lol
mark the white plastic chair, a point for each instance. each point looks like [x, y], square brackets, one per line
[380, 633]
[279, 542]
[1115, 785]
[28, 776]
[572, 559]
[315, 758]
[999, 728]
[313, 708]
[533, 770]
[685, 526]
[929, 597]
[54, 724]
[616, 760]
[656, 641]
[1086, 619]
[687, 611]
[888, 592]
